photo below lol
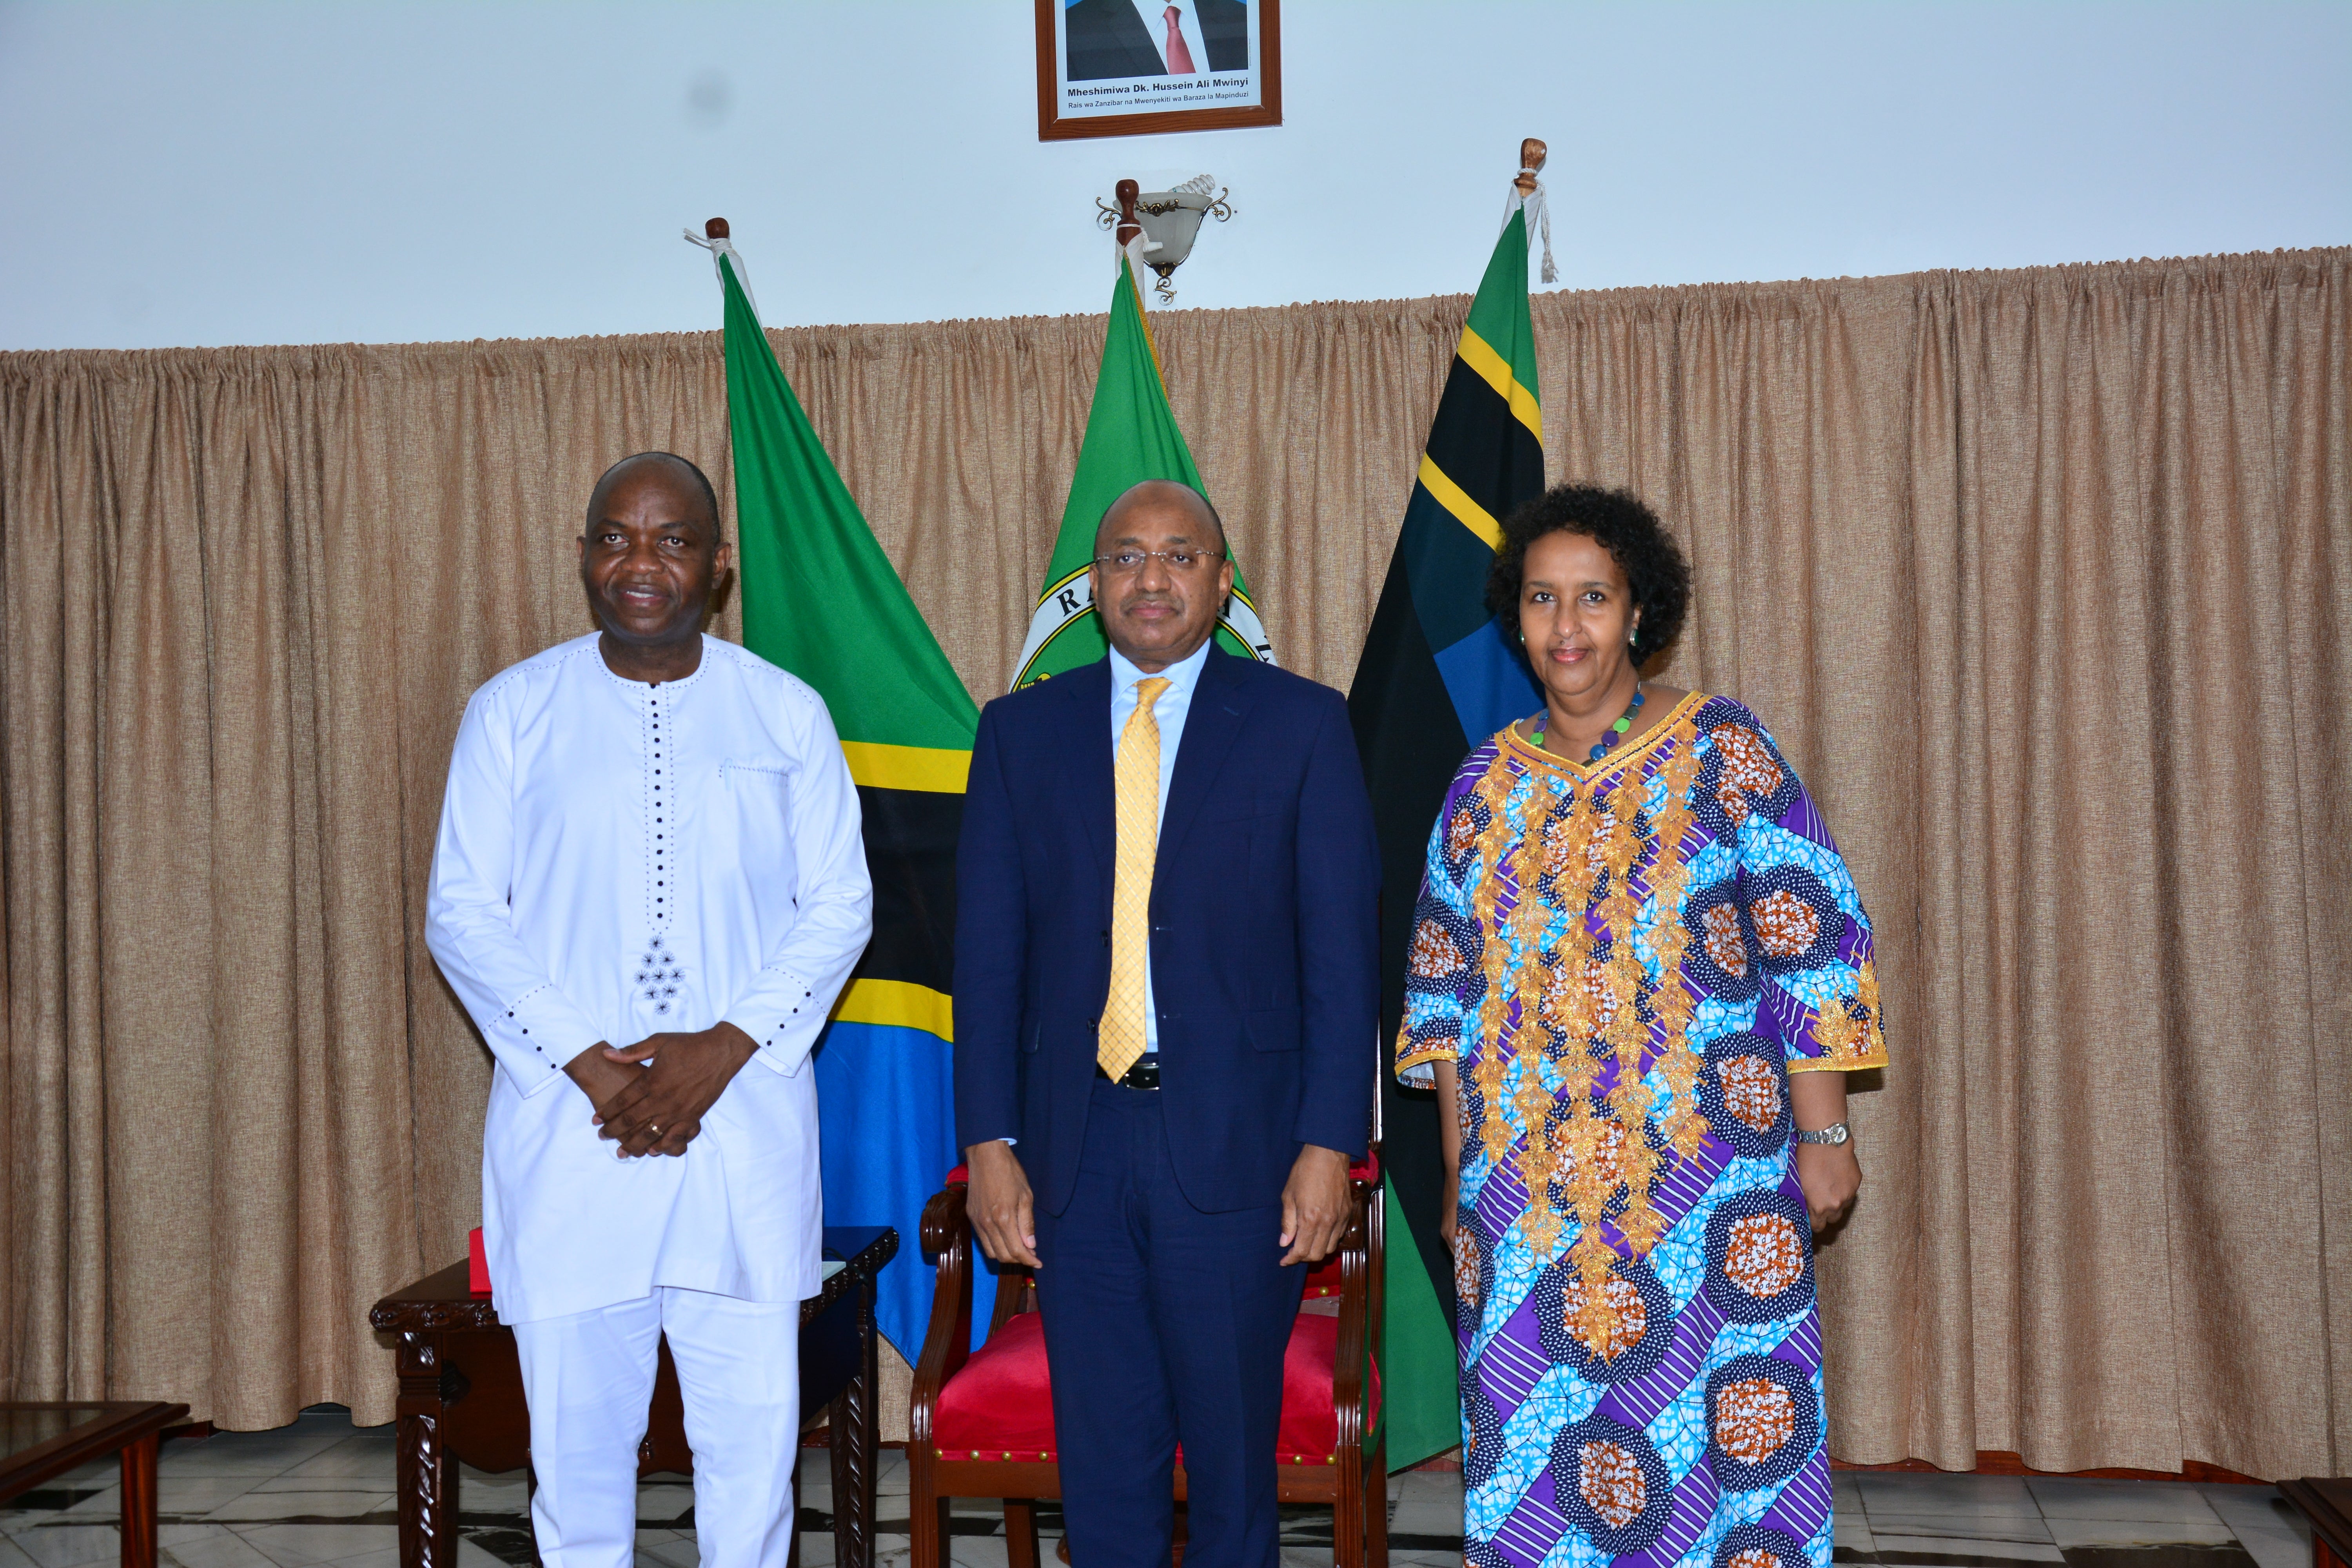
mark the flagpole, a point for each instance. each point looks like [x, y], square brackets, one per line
[1127, 191]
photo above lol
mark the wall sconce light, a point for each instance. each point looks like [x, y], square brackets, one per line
[1169, 222]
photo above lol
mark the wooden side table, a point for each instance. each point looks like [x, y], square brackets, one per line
[41, 1439]
[461, 1398]
[2327, 1502]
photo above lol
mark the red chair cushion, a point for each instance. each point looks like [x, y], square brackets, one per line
[1000, 1405]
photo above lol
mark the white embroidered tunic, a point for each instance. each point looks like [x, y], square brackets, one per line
[618, 860]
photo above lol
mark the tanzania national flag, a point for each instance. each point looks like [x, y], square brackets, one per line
[821, 600]
[1437, 676]
[1131, 435]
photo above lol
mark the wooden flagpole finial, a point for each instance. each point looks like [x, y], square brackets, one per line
[715, 229]
[1127, 191]
[1531, 159]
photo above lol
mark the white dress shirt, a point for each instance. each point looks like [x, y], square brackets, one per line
[1169, 710]
[618, 860]
[1155, 22]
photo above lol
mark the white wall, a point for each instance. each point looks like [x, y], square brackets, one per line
[173, 172]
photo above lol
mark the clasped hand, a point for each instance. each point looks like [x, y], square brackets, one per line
[651, 1097]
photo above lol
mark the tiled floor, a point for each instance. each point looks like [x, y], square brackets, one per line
[319, 1493]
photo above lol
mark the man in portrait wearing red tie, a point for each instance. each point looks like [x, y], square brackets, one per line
[1108, 38]
[1166, 984]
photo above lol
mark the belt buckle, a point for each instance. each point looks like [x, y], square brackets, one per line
[1141, 1075]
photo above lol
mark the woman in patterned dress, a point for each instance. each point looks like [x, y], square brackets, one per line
[1639, 974]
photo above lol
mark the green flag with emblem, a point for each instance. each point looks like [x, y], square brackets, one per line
[1131, 435]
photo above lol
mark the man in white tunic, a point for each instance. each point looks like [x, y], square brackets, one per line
[649, 886]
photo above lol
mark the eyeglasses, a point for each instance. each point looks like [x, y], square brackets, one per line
[1126, 563]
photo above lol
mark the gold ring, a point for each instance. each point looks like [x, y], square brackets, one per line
[655, 1125]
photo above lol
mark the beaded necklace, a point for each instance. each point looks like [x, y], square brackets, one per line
[1609, 737]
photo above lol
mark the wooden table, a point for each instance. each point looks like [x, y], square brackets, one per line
[40, 1440]
[2327, 1502]
[461, 1399]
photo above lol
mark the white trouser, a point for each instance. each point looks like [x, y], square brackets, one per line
[588, 1379]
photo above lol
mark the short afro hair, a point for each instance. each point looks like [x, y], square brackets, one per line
[1620, 523]
[701, 482]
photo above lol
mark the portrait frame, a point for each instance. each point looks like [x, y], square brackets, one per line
[1264, 70]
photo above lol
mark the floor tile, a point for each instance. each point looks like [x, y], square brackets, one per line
[296, 1481]
[369, 1457]
[680, 1552]
[384, 1557]
[2064, 1497]
[470, 1555]
[1427, 1509]
[13, 1556]
[976, 1551]
[505, 1545]
[224, 1549]
[1902, 1492]
[1851, 1532]
[104, 1503]
[188, 1534]
[2276, 1548]
[212, 1457]
[816, 1551]
[2256, 1508]
[200, 1494]
[1949, 1548]
[67, 1545]
[2071, 1532]
[663, 1502]
[285, 1448]
[1964, 1526]
[1424, 1560]
[300, 1545]
[260, 1506]
[494, 1497]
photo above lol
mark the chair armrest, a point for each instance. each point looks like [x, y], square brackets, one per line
[946, 1235]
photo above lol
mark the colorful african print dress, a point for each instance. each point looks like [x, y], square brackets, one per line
[1625, 962]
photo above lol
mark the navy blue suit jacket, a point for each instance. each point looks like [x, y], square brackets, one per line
[1265, 932]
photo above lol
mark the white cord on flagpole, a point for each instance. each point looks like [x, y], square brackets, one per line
[727, 247]
[1538, 206]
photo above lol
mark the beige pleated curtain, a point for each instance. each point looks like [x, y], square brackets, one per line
[2043, 578]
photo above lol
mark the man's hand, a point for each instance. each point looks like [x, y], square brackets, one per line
[684, 1075]
[604, 1081]
[1316, 1205]
[1003, 1213]
[1830, 1175]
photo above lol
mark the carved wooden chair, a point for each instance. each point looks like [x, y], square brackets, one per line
[982, 1423]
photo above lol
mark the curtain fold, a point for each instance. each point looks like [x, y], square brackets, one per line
[2043, 578]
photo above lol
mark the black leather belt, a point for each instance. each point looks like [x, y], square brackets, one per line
[1144, 1074]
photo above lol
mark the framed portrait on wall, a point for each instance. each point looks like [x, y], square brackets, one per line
[1139, 68]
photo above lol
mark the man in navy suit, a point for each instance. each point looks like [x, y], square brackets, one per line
[1166, 988]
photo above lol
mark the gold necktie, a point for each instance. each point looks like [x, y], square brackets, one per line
[1137, 773]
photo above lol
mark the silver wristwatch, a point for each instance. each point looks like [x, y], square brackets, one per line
[1836, 1132]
